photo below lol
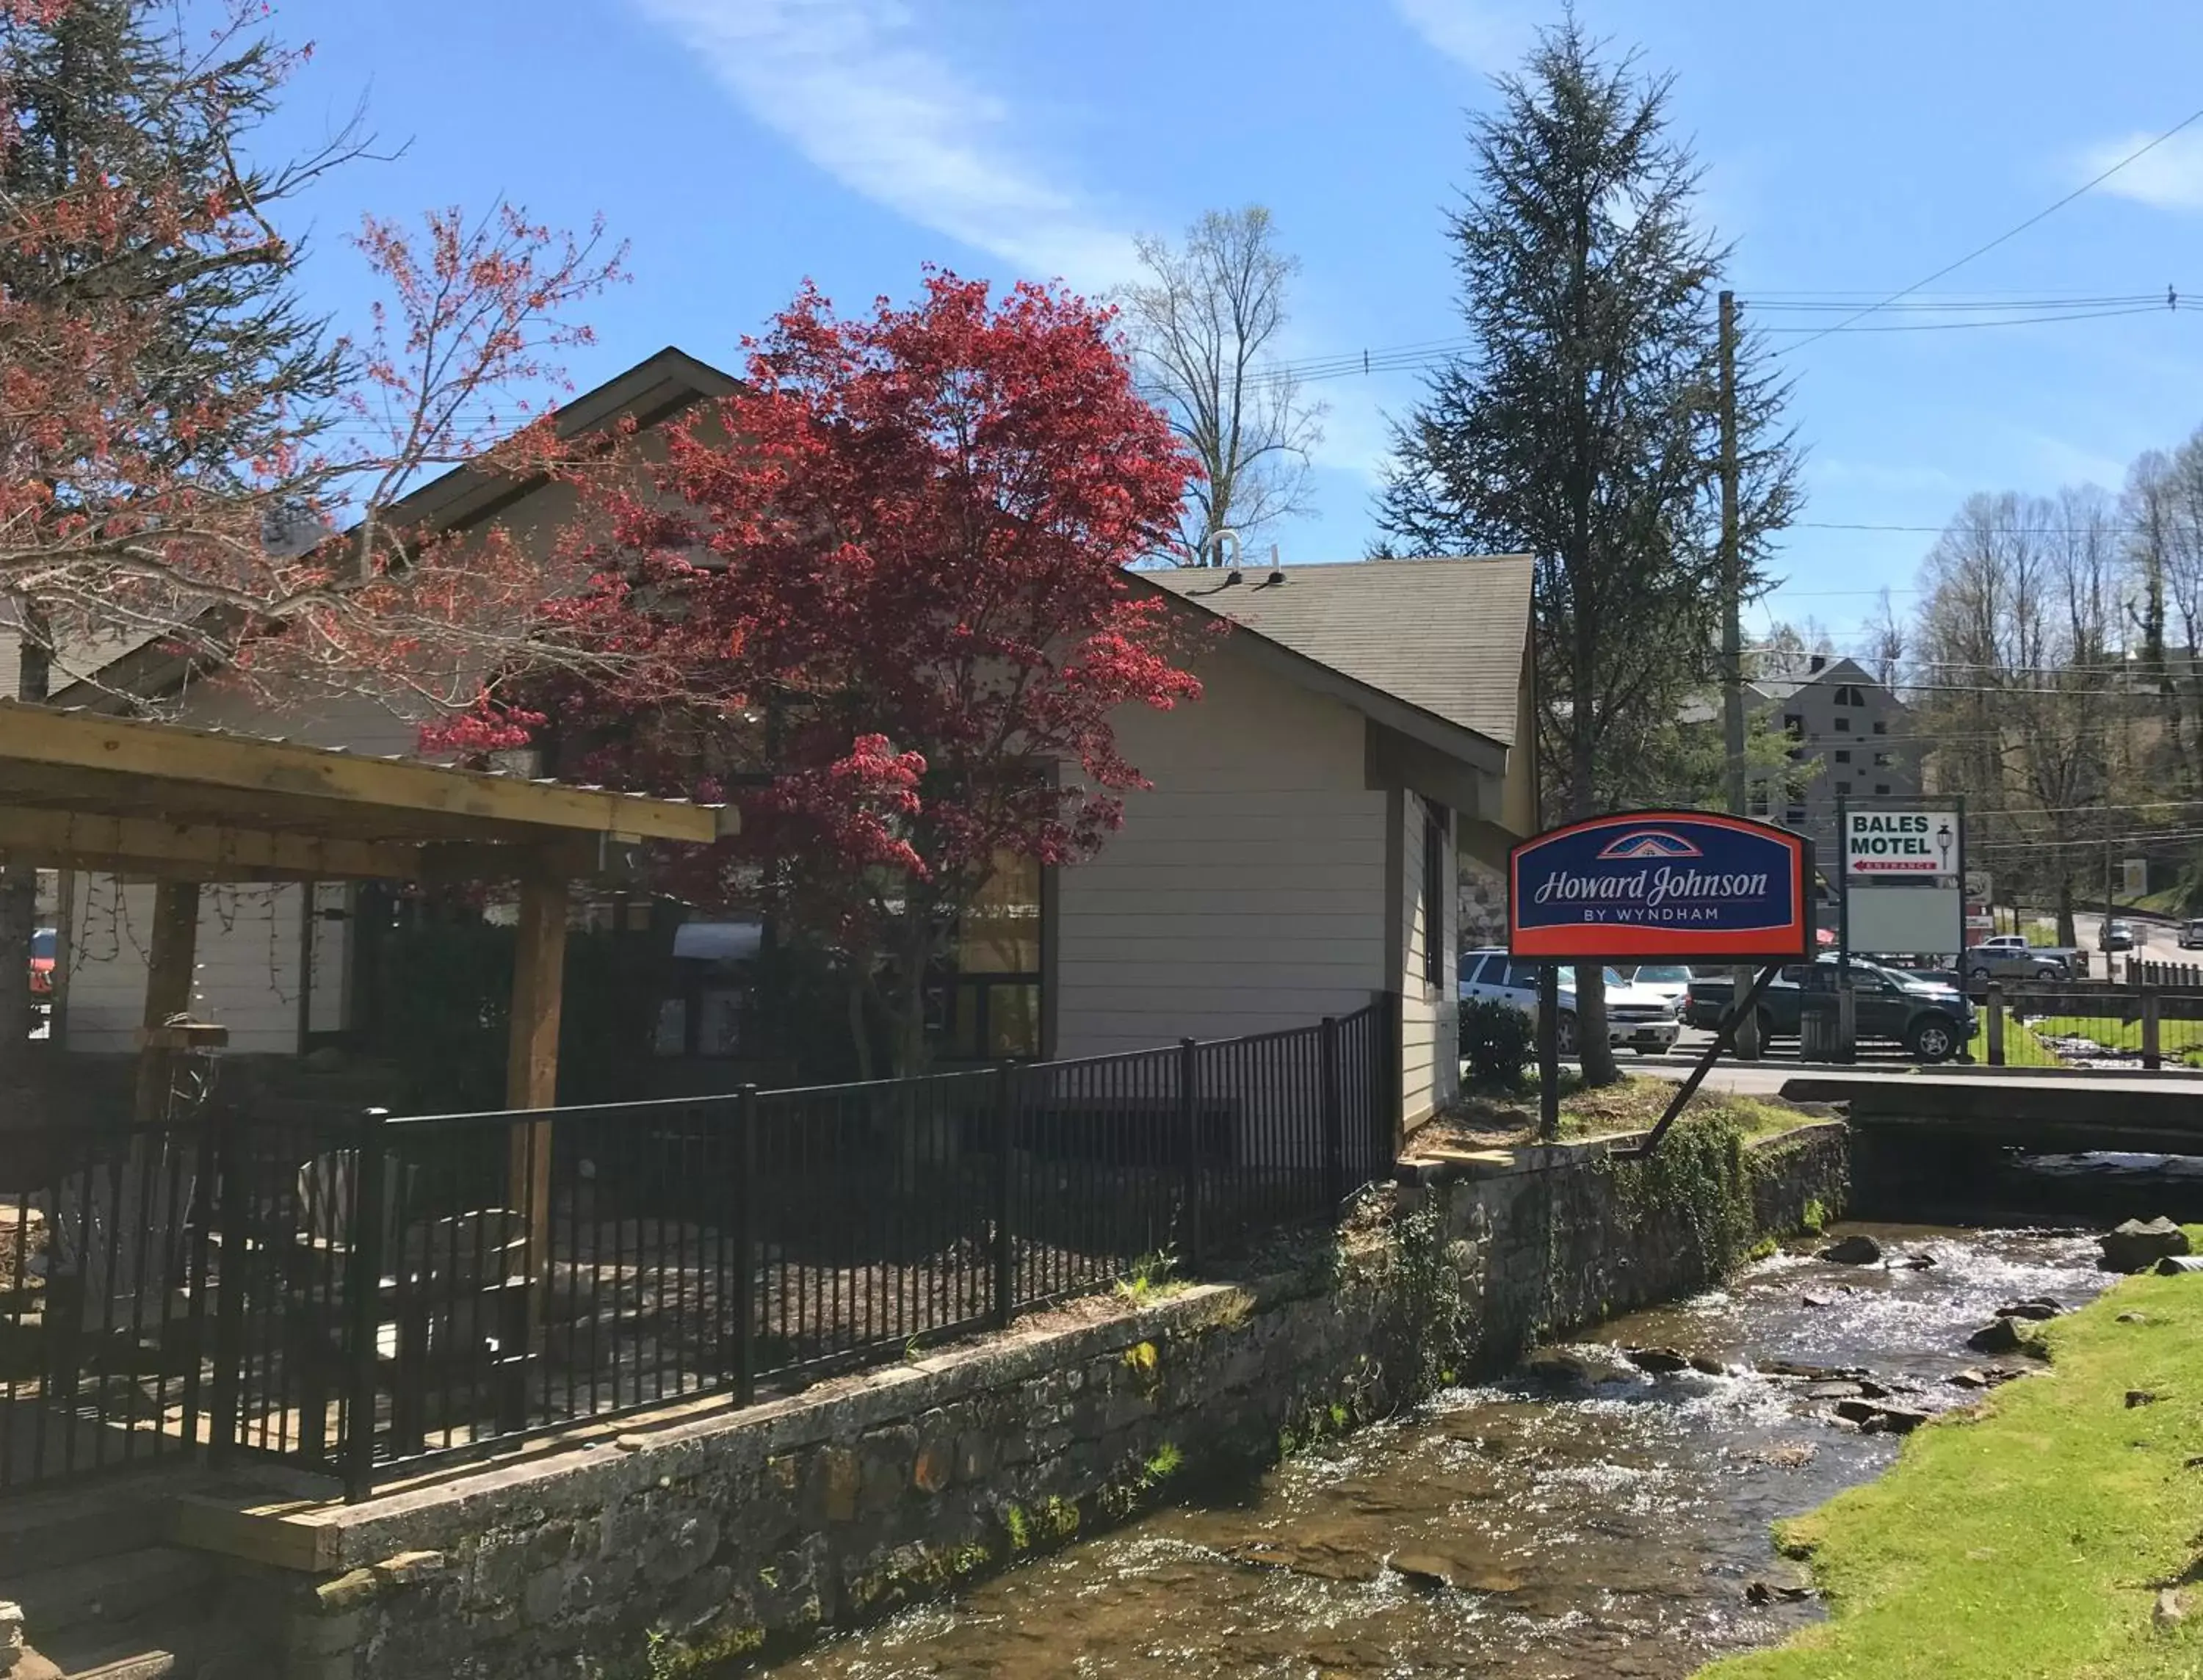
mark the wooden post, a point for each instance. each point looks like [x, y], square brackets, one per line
[168, 970]
[2153, 1054]
[1993, 1005]
[531, 1072]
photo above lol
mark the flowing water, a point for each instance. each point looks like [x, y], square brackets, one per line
[1607, 1522]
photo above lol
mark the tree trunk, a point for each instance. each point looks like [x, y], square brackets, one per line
[860, 1033]
[2065, 934]
[1594, 1053]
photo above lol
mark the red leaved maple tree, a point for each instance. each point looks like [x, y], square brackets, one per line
[877, 599]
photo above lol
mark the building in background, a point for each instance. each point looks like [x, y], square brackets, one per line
[1850, 738]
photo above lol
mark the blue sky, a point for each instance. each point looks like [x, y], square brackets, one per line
[743, 145]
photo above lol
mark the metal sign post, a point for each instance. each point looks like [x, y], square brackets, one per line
[1846, 1005]
[1673, 886]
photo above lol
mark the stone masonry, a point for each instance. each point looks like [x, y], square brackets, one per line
[709, 1539]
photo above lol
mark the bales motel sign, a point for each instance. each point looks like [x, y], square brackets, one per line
[1678, 885]
[1887, 845]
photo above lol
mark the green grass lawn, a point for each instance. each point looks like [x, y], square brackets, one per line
[2022, 1049]
[1633, 1105]
[2031, 1537]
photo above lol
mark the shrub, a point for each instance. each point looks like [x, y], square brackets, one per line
[1496, 1040]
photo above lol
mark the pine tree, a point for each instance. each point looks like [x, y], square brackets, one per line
[1581, 427]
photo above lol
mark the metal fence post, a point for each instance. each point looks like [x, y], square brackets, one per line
[1005, 1132]
[1189, 1124]
[1993, 1006]
[2152, 1014]
[363, 1302]
[1334, 1117]
[199, 1267]
[225, 1397]
[745, 1246]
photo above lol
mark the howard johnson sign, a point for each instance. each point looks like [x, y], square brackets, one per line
[1681, 885]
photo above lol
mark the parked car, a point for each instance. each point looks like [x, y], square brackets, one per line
[2191, 935]
[1637, 1018]
[1934, 1022]
[1671, 980]
[2009, 956]
[2119, 936]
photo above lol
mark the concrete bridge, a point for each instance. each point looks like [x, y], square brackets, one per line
[1951, 1145]
[2041, 1113]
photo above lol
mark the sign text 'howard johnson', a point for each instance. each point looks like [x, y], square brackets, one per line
[1677, 884]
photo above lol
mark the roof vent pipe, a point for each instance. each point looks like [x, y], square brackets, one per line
[1214, 554]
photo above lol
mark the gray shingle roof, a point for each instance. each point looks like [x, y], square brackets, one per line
[1445, 635]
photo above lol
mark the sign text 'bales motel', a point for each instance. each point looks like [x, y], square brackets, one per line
[1678, 885]
[1900, 845]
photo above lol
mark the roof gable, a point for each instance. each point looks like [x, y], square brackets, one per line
[1446, 636]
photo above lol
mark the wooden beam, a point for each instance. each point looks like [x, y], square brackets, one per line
[531, 1076]
[168, 970]
[164, 753]
[142, 846]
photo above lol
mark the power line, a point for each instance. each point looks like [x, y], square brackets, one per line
[2010, 233]
[2157, 308]
[2021, 312]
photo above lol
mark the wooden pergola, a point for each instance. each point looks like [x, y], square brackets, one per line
[183, 807]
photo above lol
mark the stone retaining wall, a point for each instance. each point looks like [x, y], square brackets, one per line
[675, 1551]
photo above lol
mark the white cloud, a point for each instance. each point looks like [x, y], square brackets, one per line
[1483, 36]
[2062, 461]
[857, 88]
[2170, 177]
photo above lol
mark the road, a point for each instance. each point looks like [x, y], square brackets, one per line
[2155, 941]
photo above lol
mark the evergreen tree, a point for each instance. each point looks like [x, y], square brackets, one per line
[1581, 426]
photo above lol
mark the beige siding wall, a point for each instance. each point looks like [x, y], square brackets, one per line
[1430, 1064]
[247, 970]
[248, 940]
[1245, 891]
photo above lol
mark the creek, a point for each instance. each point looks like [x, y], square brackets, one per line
[1578, 1517]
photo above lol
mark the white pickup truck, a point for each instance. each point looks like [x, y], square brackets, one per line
[2009, 956]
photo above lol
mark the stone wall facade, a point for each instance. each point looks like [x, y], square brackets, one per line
[710, 1539]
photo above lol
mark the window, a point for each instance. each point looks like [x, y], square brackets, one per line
[1438, 852]
[1881, 759]
[1879, 726]
[1793, 724]
[1757, 804]
[1794, 815]
[1881, 787]
[1484, 971]
[1844, 725]
[1843, 756]
[1850, 694]
[984, 1003]
[1522, 976]
[1843, 788]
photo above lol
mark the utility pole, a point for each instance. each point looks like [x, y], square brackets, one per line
[1731, 649]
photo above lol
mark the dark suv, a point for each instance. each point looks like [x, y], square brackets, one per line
[1934, 1022]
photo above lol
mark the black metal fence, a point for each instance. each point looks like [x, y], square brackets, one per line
[369, 1297]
